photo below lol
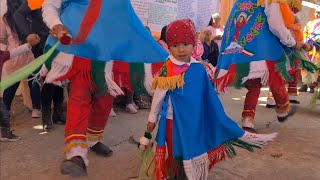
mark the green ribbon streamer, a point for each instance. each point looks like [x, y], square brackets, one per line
[26, 70]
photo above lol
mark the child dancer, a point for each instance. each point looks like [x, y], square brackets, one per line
[294, 25]
[193, 124]
[254, 53]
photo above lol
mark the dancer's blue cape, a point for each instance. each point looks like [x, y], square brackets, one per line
[117, 34]
[199, 121]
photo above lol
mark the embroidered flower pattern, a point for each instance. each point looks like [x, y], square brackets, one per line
[228, 27]
[246, 6]
[254, 31]
[249, 37]
[257, 26]
[228, 35]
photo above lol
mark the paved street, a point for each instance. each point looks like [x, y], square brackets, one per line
[293, 156]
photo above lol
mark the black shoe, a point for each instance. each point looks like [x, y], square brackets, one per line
[311, 90]
[58, 116]
[252, 130]
[102, 150]
[46, 119]
[294, 101]
[270, 106]
[7, 135]
[291, 113]
[303, 88]
[74, 167]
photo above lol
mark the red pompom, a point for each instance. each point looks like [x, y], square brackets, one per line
[66, 39]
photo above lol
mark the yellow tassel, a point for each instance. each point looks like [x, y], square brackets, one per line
[169, 83]
[94, 138]
[75, 144]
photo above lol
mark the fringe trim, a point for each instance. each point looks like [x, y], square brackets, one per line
[160, 162]
[148, 78]
[93, 138]
[169, 83]
[225, 78]
[227, 150]
[238, 74]
[75, 144]
[216, 155]
[197, 168]
[43, 71]
[113, 88]
[61, 65]
[258, 69]
[257, 140]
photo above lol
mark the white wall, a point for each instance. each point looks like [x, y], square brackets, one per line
[3, 7]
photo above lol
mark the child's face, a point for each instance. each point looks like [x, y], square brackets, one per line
[182, 51]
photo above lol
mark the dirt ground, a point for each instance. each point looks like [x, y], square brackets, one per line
[294, 155]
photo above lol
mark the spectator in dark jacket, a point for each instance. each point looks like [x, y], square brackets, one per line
[211, 49]
[30, 21]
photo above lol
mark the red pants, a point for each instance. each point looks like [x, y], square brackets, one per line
[292, 86]
[277, 87]
[87, 113]
[169, 142]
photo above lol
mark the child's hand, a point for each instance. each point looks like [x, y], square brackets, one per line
[151, 126]
[298, 46]
[33, 39]
[58, 31]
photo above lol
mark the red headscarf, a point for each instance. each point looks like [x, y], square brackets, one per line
[181, 31]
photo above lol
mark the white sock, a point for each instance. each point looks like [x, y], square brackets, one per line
[78, 151]
[92, 143]
[247, 122]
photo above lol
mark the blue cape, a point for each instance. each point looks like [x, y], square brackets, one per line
[250, 39]
[199, 121]
[118, 34]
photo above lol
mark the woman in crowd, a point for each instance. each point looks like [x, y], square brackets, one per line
[216, 28]
[10, 35]
[211, 49]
